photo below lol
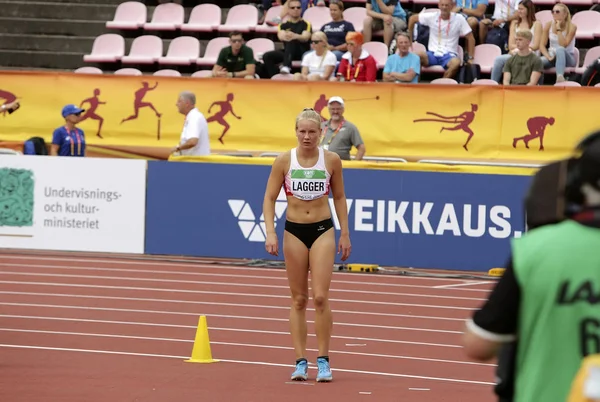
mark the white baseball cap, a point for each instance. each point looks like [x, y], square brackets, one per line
[336, 99]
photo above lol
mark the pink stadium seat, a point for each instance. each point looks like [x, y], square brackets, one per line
[203, 18]
[128, 71]
[183, 51]
[88, 70]
[591, 55]
[283, 77]
[378, 50]
[588, 24]
[212, 51]
[444, 81]
[242, 17]
[543, 16]
[356, 15]
[578, 2]
[129, 15]
[317, 16]
[485, 82]
[485, 54]
[167, 73]
[166, 17]
[145, 49]
[272, 13]
[260, 46]
[552, 70]
[202, 74]
[567, 84]
[107, 48]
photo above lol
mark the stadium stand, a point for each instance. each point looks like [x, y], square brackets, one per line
[111, 35]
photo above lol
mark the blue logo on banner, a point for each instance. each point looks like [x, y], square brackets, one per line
[396, 218]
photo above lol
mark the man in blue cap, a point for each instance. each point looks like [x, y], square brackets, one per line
[69, 140]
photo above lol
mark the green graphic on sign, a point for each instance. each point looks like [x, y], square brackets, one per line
[16, 197]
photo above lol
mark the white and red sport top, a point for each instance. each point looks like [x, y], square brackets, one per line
[307, 183]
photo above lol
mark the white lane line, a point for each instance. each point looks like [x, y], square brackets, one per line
[249, 345]
[111, 352]
[237, 317]
[456, 285]
[232, 294]
[241, 305]
[228, 284]
[254, 331]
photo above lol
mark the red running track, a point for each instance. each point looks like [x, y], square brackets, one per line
[88, 328]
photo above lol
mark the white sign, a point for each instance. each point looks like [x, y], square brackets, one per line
[72, 204]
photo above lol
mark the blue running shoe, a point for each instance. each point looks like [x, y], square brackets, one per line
[324, 374]
[301, 373]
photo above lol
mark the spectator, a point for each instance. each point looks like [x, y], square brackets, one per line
[339, 135]
[547, 296]
[560, 32]
[474, 13]
[69, 140]
[525, 67]
[525, 21]
[319, 63]
[504, 11]
[403, 66]
[337, 29]
[194, 139]
[285, 10]
[235, 60]
[445, 29]
[357, 64]
[295, 34]
[388, 16]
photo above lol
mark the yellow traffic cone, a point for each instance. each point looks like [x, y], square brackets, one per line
[201, 352]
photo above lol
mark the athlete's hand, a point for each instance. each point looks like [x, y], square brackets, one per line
[344, 247]
[271, 244]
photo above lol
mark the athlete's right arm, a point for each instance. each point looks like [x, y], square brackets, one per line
[272, 191]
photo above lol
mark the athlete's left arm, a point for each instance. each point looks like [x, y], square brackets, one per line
[496, 322]
[339, 202]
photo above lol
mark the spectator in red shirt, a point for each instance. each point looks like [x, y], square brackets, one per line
[357, 64]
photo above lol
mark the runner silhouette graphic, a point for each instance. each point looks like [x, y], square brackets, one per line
[462, 121]
[90, 113]
[537, 128]
[138, 103]
[219, 117]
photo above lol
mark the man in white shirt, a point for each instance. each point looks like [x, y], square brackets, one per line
[445, 29]
[194, 136]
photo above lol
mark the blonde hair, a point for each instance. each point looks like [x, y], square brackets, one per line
[309, 114]
[567, 12]
[320, 35]
[524, 34]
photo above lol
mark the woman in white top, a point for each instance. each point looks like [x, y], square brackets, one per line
[308, 173]
[525, 21]
[560, 34]
[319, 63]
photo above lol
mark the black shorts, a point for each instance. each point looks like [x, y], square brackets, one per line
[308, 233]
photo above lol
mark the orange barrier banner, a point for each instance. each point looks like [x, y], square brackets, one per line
[137, 116]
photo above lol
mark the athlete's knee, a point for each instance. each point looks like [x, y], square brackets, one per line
[299, 302]
[320, 302]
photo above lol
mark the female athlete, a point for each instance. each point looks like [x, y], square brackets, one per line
[307, 172]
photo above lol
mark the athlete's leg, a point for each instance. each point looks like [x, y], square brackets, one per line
[296, 264]
[322, 258]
